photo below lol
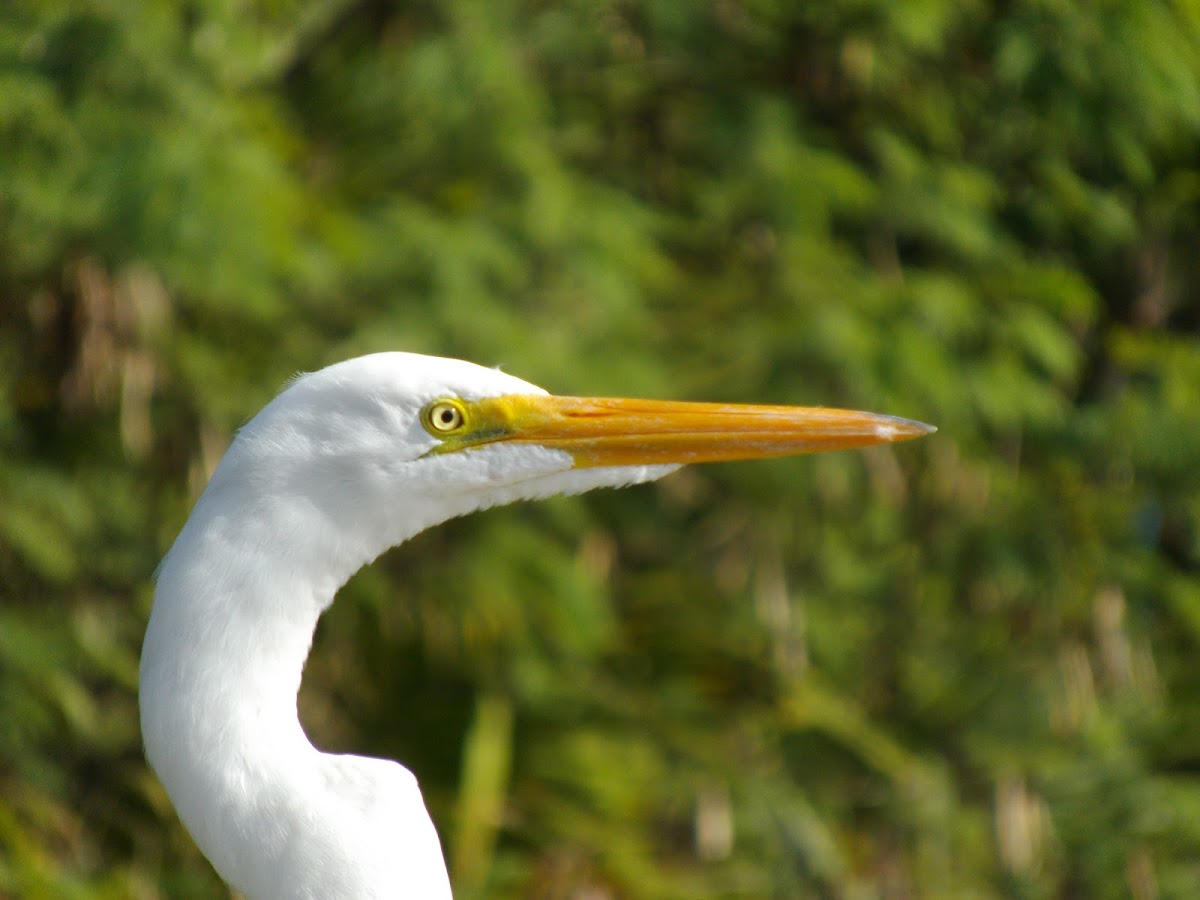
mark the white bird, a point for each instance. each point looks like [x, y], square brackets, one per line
[341, 465]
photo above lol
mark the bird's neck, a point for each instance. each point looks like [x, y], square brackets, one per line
[237, 602]
[222, 662]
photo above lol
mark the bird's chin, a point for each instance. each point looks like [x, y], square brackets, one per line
[498, 474]
[575, 481]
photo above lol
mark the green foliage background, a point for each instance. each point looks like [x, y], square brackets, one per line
[965, 667]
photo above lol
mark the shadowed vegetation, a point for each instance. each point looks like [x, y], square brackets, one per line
[964, 667]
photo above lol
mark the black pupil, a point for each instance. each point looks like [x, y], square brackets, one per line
[447, 416]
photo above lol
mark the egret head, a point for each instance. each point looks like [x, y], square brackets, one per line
[386, 445]
[399, 442]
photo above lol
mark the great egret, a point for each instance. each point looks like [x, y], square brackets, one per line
[341, 465]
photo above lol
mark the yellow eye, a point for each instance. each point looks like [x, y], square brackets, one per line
[443, 417]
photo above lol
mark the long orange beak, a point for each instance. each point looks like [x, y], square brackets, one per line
[607, 431]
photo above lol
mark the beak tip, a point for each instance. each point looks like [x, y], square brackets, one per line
[897, 429]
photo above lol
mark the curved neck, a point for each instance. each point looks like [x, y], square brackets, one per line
[235, 608]
[224, 653]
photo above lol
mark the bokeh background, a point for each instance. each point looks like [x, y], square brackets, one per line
[967, 666]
